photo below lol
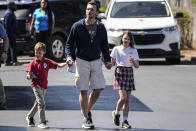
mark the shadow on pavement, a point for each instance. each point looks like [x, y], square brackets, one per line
[16, 128]
[12, 128]
[66, 98]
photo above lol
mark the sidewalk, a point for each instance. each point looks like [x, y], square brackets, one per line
[71, 121]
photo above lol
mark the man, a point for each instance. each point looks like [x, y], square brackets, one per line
[90, 37]
[3, 55]
[11, 27]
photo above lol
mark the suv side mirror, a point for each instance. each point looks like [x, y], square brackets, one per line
[101, 16]
[179, 15]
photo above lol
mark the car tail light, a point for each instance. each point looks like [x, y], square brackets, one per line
[28, 24]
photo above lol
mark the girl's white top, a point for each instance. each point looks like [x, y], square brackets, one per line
[122, 54]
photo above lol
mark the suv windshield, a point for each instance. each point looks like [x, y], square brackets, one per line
[139, 9]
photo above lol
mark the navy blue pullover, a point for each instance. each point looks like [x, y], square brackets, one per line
[10, 23]
[85, 48]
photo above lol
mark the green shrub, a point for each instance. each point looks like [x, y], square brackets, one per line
[186, 13]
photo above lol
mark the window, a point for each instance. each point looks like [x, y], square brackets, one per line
[63, 8]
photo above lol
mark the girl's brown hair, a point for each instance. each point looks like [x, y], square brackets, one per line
[132, 41]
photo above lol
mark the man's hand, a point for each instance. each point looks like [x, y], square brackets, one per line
[108, 65]
[69, 61]
[4, 56]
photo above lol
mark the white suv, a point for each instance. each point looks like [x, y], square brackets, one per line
[152, 23]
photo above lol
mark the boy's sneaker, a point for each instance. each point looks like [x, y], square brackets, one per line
[116, 118]
[43, 125]
[87, 124]
[30, 121]
[125, 125]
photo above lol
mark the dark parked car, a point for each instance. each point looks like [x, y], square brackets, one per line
[66, 13]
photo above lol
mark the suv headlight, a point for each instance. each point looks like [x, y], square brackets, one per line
[113, 29]
[170, 29]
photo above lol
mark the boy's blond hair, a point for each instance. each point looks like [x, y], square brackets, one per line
[40, 46]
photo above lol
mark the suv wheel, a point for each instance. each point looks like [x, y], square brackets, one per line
[56, 48]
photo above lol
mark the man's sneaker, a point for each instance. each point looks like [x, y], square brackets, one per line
[125, 125]
[30, 121]
[116, 118]
[87, 124]
[90, 116]
[90, 119]
[43, 125]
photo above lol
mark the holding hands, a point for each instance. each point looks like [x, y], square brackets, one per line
[69, 61]
[108, 65]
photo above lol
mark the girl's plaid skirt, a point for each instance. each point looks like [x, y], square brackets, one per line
[124, 79]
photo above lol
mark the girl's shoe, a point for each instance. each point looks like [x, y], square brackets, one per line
[43, 125]
[125, 125]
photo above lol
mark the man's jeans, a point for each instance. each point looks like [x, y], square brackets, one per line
[39, 104]
[12, 54]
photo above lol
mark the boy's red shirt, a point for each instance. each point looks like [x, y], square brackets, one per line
[40, 68]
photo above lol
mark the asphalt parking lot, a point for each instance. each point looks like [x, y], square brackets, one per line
[164, 99]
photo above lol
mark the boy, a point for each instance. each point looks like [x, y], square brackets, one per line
[37, 71]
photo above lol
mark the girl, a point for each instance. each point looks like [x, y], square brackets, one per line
[42, 22]
[125, 57]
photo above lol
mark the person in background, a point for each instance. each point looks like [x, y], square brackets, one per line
[90, 37]
[3, 55]
[37, 72]
[125, 57]
[43, 21]
[11, 26]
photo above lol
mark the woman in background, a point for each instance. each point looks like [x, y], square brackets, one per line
[43, 21]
